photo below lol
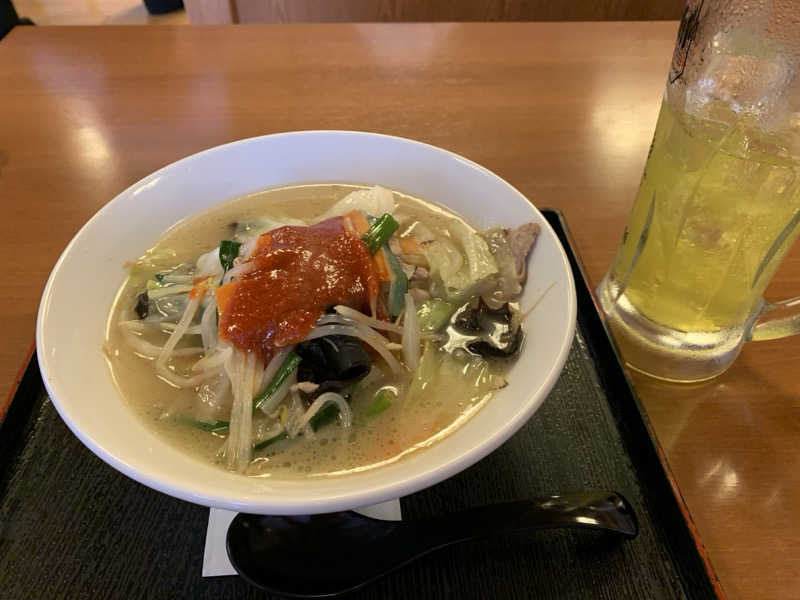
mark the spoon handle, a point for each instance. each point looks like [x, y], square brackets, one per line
[599, 510]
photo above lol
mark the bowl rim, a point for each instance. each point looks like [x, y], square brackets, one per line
[365, 495]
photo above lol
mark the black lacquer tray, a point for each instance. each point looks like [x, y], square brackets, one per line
[72, 527]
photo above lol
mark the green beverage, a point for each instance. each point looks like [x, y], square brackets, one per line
[714, 215]
[719, 202]
[716, 210]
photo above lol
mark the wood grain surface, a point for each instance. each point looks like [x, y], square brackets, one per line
[565, 112]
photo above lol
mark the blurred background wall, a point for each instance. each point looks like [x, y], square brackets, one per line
[96, 12]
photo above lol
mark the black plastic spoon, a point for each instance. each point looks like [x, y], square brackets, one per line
[331, 554]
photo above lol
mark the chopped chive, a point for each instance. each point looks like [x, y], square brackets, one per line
[210, 425]
[324, 416]
[379, 232]
[379, 404]
[287, 367]
[269, 441]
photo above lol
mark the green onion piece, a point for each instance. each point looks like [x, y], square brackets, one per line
[214, 426]
[160, 277]
[269, 441]
[434, 314]
[210, 425]
[228, 251]
[379, 232]
[398, 284]
[328, 413]
[287, 367]
[379, 404]
[324, 416]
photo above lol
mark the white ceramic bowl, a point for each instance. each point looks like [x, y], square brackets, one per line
[84, 281]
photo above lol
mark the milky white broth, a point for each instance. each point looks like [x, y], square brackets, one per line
[370, 442]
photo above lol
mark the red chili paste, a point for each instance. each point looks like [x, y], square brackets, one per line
[298, 273]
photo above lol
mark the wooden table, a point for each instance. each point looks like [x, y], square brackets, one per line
[563, 111]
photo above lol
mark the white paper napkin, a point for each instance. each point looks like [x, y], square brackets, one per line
[215, 557]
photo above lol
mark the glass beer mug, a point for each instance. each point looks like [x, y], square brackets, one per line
[719, 201]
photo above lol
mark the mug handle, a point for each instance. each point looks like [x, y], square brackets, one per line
[776, 320]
